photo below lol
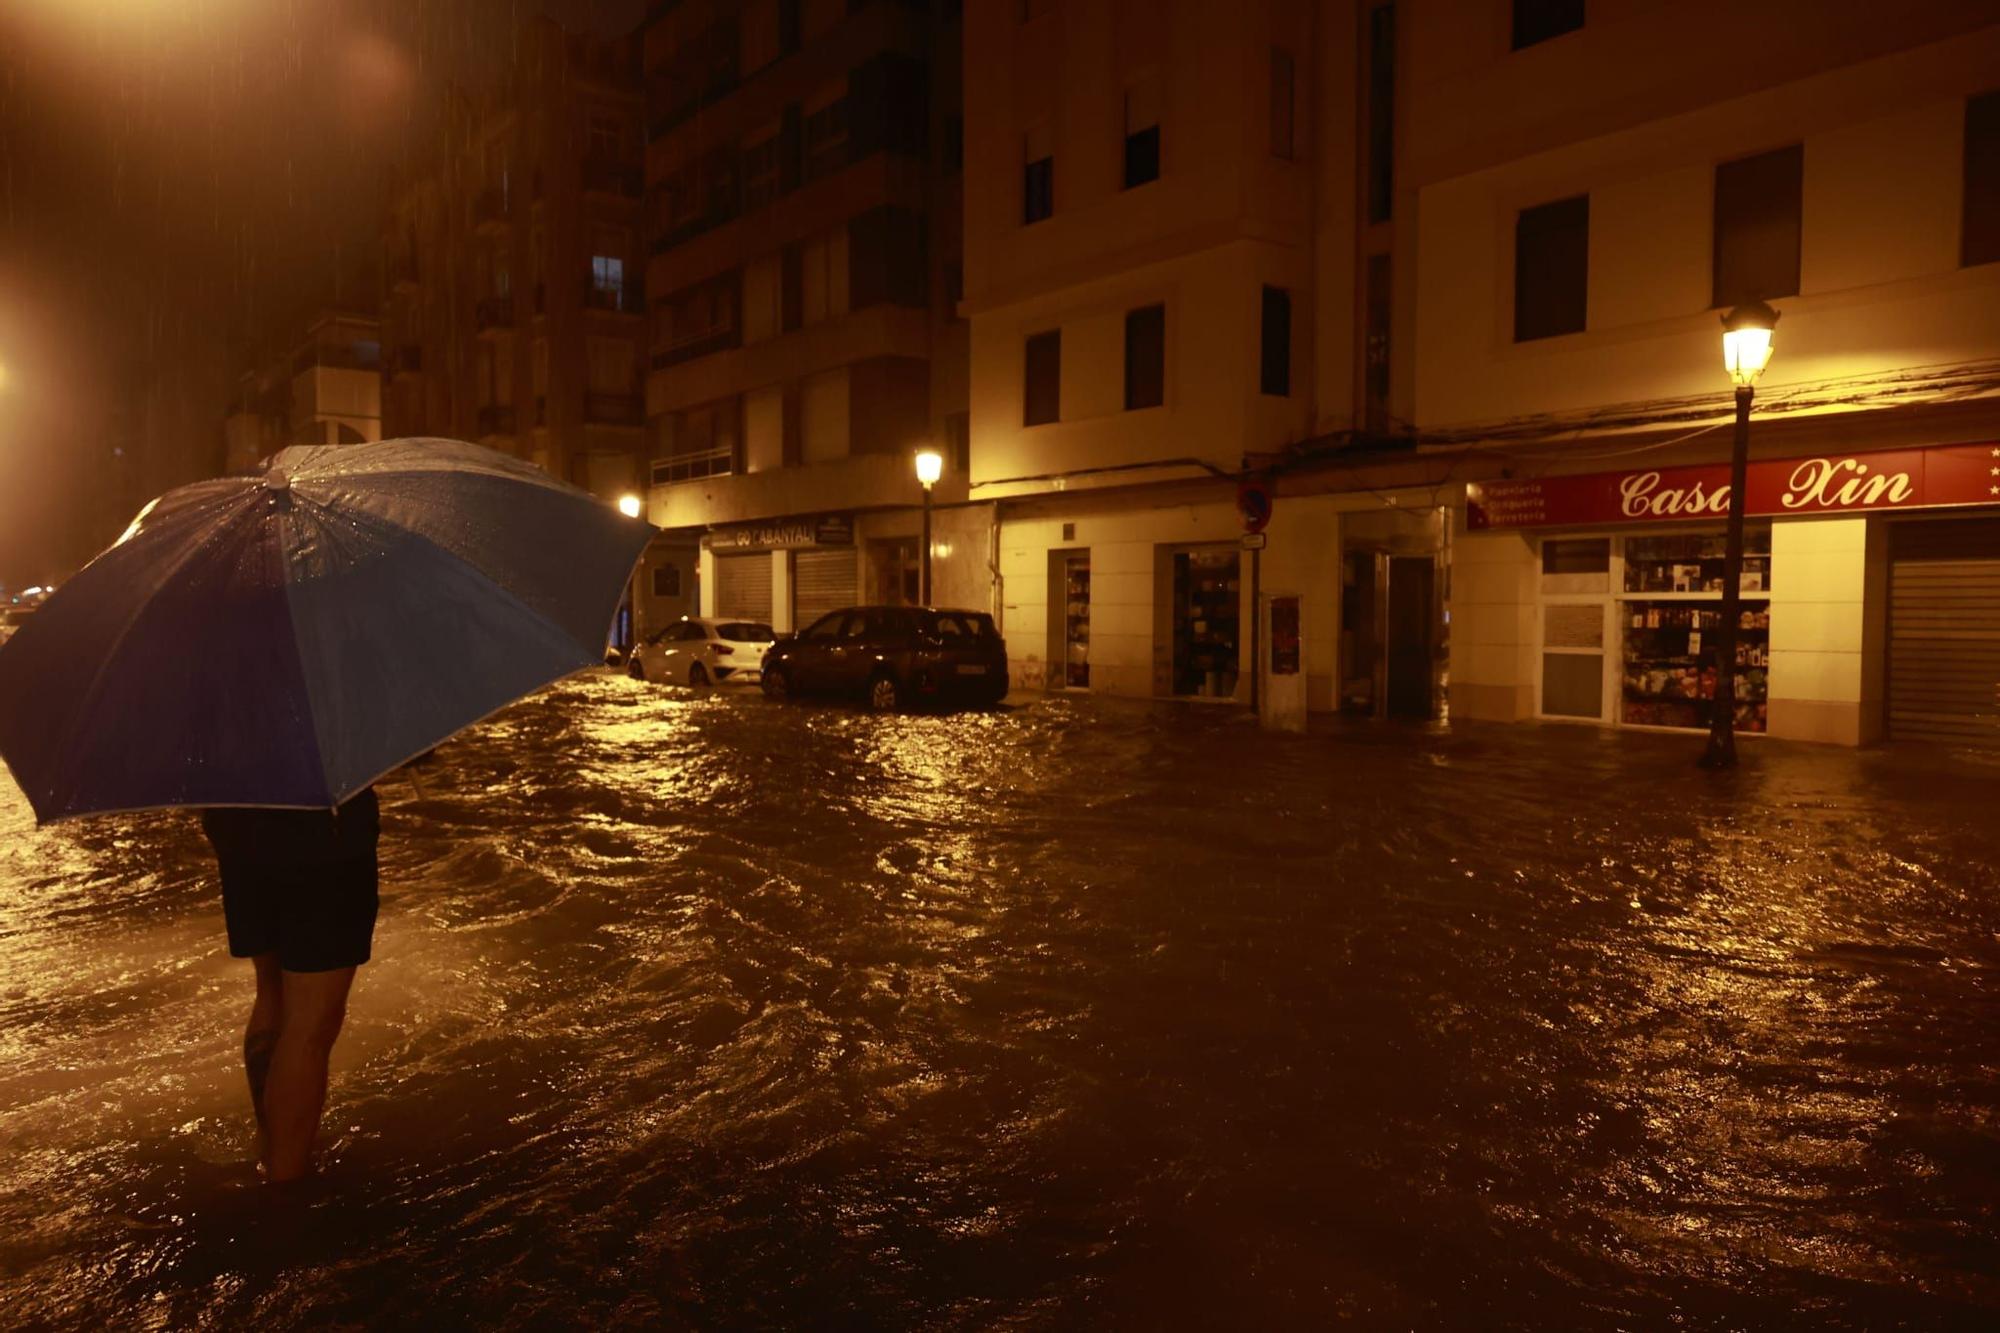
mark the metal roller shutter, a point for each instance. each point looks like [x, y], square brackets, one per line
[822, 581]
[743, 587]
[1944, 632]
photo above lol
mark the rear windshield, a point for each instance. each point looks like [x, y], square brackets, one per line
[949, 625]
[744, 631]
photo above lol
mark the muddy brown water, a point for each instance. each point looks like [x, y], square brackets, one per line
[694, 1010]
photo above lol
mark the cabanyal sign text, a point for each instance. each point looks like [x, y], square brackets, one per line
[1951, 474]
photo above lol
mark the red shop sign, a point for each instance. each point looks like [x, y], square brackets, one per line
[1951, 474]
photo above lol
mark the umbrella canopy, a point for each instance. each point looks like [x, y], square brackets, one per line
[284, 639]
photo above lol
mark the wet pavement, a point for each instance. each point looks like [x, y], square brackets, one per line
[691, 1009]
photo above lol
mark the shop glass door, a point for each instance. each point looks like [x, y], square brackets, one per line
[1076, 622]
[1207, 601]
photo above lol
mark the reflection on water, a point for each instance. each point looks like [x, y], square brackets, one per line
[690, 1008]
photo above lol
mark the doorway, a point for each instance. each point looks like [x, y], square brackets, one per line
[1075, 574]
[1411, 644]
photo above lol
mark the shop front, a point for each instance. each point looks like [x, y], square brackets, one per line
[785, 572]
[1870, 597]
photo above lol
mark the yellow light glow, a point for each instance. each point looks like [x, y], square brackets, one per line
[1746, 341]
[630, 505]
[930, 466]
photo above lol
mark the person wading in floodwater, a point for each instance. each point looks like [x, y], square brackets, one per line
[299, 898]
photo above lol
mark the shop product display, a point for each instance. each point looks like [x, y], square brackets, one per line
[1670, 645]
[1207, 598]
[1076, 623]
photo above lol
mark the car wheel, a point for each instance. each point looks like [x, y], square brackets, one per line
[697, 676]
[633, 669]
[883, 694]
[776, 686]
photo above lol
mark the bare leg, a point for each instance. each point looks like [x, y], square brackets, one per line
[262, 1033]
[314, 1003]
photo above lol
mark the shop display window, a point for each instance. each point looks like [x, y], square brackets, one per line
[1671, 612]
[1076, 622]
[1207, 599]
[1663, 592]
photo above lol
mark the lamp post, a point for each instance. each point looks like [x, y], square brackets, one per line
[930, 466]
[1746, 350]
[630, 505]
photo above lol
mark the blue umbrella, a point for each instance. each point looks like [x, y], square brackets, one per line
[284, 639]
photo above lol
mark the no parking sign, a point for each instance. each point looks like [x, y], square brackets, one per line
[1253, 501]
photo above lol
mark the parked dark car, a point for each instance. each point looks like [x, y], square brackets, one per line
[892, 656]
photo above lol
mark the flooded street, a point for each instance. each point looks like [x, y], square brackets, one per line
[692, 1009]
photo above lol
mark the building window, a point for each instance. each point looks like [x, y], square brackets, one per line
[788, 27]
[1142, 132]
[1274, 375]
[607, 138]
[1551, 268]
[1042, 387]
[1757, 204]
[1038, 176]
[1381, 111]
[1145, 357]
[607, 281]
[1538, 20]
[666, 580]
[1980, 235]
[1283, 108]
[699, 442]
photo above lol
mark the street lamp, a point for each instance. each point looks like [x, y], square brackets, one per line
[930, 466]
[1746, 350]
[629, 505]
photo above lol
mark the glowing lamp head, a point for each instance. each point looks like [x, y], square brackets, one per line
[930, 466]
[1746, 341]
[629, 505]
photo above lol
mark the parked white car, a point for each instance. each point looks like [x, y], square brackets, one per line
[702, 650]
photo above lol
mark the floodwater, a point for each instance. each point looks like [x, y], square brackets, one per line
[691, 1009]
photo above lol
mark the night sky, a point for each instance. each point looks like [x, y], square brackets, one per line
[181, 181]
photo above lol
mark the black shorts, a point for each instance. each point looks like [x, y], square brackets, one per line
[299, 883]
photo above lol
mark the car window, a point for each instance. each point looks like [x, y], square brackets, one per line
[855, 626]
[826, 627]
[960, 626]
[886, 624]
[745, 631]
[689, 631]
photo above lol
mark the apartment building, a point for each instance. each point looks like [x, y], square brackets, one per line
[515, 310]
[1594, 185]
[324, 389]
[802, 173]
[1180, 219]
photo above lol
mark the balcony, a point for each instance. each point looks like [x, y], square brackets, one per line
[690, 496]
[625, 299]
[405, 360]
[496, 419]
[614, 178]
[697, 345]
[495, 313]
[613, 409]
[715, 462]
